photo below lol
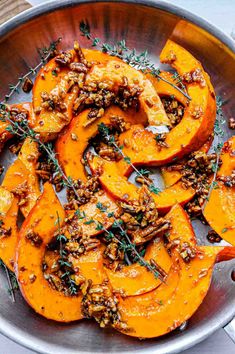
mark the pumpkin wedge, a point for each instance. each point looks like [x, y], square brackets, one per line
[194, 128]
[136, 279]
[219, 210]
[52, 81]
[21, 177]
[165, 89]
[72, 143]
[38, 293]
[120, 188]
[5, 135]
[113, 73]
[90, 215]
[29, 155]
[8, 228]
[171, 177]
[162, 310]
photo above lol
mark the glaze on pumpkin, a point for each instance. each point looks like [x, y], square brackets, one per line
[8, 218]
[121, 189]
[136, 279]
[191, 132]
[38, 293]
[160, 311]
[219, 211]
[21, 175]
[5, 135]
[90, 211]
[72, 143]
[48, 123]
[112, 73]
[171, 177]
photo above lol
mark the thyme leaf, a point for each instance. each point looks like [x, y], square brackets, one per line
[130, 56]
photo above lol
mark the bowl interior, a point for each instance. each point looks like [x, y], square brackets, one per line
[143, 27]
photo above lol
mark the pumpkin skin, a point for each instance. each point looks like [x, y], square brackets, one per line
[162, 310]
[219, 210]
[121, 189]
[72, 143]
[23, 171]
[136, 279]
[190, 134]
[112, 73]
[8, 217]
[39, 294]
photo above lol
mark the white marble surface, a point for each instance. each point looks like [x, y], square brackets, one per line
[222, 14]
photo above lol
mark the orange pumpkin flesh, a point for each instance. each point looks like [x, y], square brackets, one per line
[72, 143]
[136, 279]
[219, 210]
[40, 296]
[160, 311]
[8, 218]
[112, 73]
[190, 134]
[171, 177]
[5, 135]
[21, 174]
[90, 211]
[165, 89]
[29, 155]
[120, 188]
[48, 80]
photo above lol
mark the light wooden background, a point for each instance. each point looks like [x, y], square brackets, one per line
[10, 8]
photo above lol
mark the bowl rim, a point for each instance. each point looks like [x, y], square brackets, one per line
[176, 346]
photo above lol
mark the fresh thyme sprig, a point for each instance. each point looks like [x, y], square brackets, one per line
[120, 50]
[126, 244]
[104, 131]
[63, 262]
[45, 54]
[219, 132]
[11, 279]
[22, 130]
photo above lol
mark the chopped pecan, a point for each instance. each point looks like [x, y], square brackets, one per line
[34, 238]
[231, 123]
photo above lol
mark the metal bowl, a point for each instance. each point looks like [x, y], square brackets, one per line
[145, 25]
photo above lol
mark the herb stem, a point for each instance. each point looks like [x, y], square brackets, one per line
[140, 62]
[11, 289]
[32, 71]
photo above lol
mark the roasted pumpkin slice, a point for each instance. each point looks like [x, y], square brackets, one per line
[194, 128]
[21, 178]
[165, 308]
[121, 189]
[42, 223]
[72, 143]
[219, 210]
[29, 155]
[113, 73]
[5, 135]
[100, 211]
[53, 79]
[227, 158]
[8, 228]
[171, 176]
[165, 88]
[136, 279]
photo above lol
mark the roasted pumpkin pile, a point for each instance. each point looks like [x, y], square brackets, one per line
[122, 253]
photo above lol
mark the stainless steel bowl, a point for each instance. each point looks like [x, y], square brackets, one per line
[145, 25]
